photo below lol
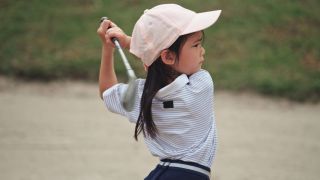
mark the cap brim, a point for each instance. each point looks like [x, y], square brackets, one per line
[202, 21]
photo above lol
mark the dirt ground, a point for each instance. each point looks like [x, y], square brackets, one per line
[61, 131]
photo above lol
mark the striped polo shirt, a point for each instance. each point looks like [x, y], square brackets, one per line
[183, 114]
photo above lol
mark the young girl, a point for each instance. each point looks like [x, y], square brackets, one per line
[174, 104]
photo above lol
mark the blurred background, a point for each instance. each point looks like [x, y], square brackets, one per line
[271, 47]
[264, 57]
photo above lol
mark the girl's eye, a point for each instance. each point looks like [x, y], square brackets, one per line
[196, 45]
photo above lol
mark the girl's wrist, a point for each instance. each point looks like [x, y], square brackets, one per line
[107, 47]
[128, 41]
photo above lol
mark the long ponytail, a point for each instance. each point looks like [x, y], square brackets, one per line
[159, 75]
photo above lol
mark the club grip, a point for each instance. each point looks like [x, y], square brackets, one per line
[114, 40]
[105, 18]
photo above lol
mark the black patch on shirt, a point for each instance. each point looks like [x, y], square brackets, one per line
[168, 104]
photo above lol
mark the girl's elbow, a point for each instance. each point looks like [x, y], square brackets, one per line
[101, 90]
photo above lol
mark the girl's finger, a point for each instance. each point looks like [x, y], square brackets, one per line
[107, 23]
[109, 41]
[114, 32]
[112, 24]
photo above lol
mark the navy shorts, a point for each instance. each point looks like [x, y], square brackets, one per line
[177, 169]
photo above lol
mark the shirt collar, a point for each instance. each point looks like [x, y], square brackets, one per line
[177, 84]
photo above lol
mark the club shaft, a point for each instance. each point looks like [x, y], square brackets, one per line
[130, 71]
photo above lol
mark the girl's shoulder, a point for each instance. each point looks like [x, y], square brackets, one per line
[201, 77]
[201, 73]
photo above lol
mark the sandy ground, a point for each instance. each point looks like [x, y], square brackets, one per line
[61, 131]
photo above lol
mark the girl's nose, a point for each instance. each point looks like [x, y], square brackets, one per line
[203, 52]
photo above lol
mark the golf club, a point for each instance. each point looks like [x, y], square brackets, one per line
[128, 99]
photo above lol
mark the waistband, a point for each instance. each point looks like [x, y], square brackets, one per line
[186, 165]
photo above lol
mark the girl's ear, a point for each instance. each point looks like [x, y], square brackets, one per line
[168, 57]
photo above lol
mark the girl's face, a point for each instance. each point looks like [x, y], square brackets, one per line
[191, 55]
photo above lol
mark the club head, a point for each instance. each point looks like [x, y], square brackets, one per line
[128, 99]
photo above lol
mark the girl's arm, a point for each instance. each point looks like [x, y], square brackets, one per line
[107, 75]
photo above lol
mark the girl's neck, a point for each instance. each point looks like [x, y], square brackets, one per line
[173, 74]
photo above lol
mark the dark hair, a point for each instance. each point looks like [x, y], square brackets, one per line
[159, 75]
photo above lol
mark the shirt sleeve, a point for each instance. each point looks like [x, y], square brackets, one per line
[112, 100]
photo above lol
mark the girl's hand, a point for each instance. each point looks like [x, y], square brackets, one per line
[109, 30]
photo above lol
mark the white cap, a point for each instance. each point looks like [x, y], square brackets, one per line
[158, 28]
